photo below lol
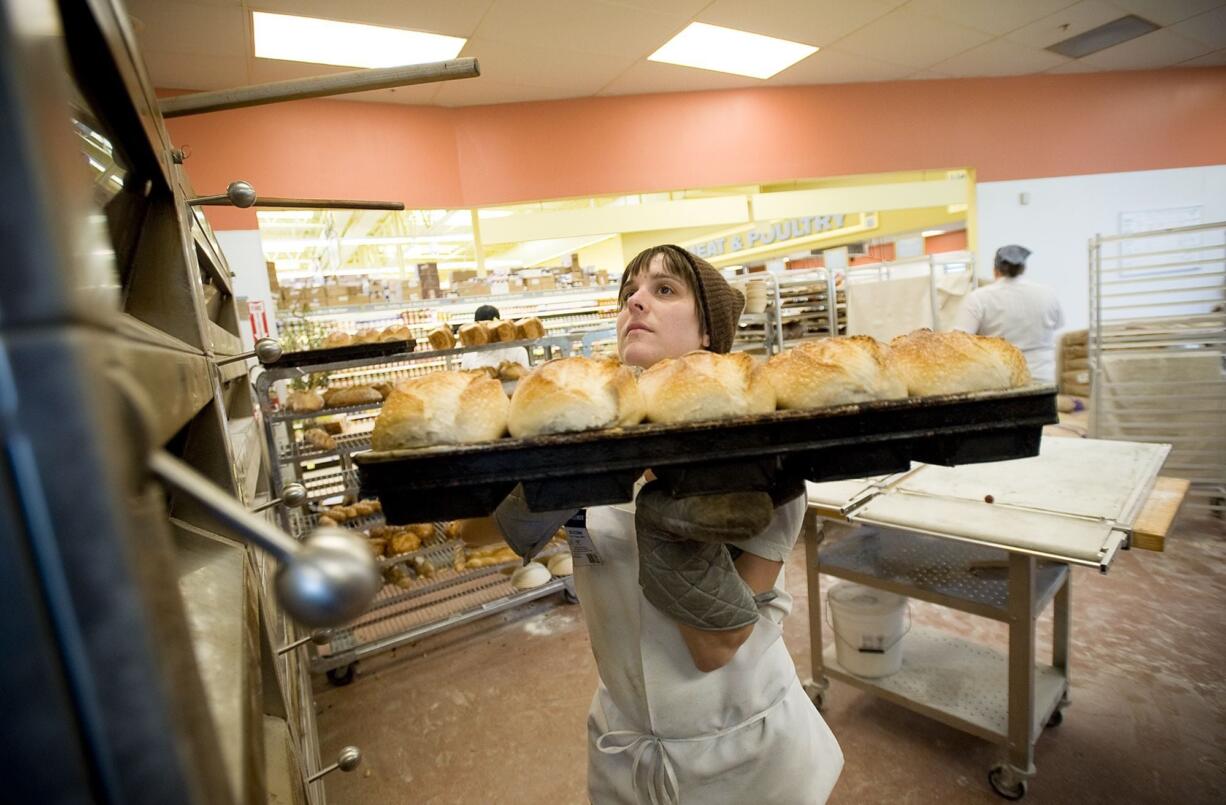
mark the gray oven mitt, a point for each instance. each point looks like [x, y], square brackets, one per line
[526, 531]
[685, 568]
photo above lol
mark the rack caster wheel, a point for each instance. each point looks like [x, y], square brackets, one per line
[816, 694]
[568, 595]
[342, 676]
[1057, 718]
[997, 777]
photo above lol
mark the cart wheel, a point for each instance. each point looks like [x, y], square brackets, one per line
[1014, 792]
[342, 676]
[1057, 718]
[816, 693]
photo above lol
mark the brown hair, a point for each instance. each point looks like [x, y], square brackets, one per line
[719, 305]
[677, 263]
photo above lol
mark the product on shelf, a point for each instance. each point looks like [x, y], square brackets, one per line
[366, 336]
[706, 385]
[575, 394]
[529, 328]
[384, 389]
[305, 402]
[530, 576]
[474, 334]
[396, 333]
[501, 331]
[442, 338]
[351, 395]
[953, 362]
[442, 408]
[337, 339]
[319, 439]
[511, 370]
[833, 371]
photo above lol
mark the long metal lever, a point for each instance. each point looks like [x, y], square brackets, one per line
[347, 760]
[267, 350]
[319, 638]
[293, 496]
[327, 579]
[198, 103]
[241, 194]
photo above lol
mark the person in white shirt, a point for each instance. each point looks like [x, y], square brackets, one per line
[493, 357]
[1024, 314]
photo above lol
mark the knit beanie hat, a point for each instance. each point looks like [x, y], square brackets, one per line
[719, 304]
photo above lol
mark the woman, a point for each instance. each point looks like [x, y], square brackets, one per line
[682, 714]
[1024, 314]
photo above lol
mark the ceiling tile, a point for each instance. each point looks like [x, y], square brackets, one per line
[189, 28]
[1166, 12]
[1068, 22]
[683, 8]
[1075, 67]
[1159, 48]
[910, 38]
[582, 25]
[194, 71]
[990, 16]
[453, 18]
[647, 76]
[582, 73]
[416, 95]
[1000, 57]
[1217, 57]
[482, 91]
[813, 22]
[928, 75]
[831, 66]
[264, 70]
[1208, 28]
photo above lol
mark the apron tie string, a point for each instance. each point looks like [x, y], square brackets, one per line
[650, 750]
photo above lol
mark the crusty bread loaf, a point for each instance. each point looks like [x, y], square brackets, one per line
[442, 408]
[954, 362]
[367, 335]
[474, 335]
[833, 371]
[337, 339]
[397, 332]
[706, 385]
[502, 331]
[575, 394]
[529, 328]
[441, 338]
[305, 402]
[353, 395]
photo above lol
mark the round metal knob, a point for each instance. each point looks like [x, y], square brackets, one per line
[349, 758]
[268, 350]
[330, 580]
[294, 495]
[241, 194]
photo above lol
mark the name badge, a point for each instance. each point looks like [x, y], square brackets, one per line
[582, 549]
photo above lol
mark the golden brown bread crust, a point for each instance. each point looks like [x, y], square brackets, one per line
[305, 402]
[366, 336]
[706, 385]
[568, 395]
[529, 328]
[502, 331]
[337, 340]
[397, 332]
[954, 362]
[474, 335]
[354, 395]
[441, 338]
[833, 371]
[442, 408]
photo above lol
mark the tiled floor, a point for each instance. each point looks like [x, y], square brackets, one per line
[494, 713]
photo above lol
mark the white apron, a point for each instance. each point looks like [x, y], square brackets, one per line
[660, 731]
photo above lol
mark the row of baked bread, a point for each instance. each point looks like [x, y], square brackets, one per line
[396, 332]
[479, 333]
[580, 394]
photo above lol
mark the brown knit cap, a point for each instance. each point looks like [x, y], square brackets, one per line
[719, 304]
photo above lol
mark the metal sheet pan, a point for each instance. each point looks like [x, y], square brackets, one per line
[600, 467]
[353, 352]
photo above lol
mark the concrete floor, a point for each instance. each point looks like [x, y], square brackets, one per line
[494, 713]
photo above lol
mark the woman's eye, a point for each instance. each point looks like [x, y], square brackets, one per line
[666, 290]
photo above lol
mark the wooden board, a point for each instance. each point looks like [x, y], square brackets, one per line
[1154, 522]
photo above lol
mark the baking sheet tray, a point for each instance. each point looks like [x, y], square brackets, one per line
[572, 471]
[353, 352]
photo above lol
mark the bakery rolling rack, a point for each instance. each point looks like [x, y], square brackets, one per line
[412, 605]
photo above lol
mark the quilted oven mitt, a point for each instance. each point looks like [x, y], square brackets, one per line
[685, 568]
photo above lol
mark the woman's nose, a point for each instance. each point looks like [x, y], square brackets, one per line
[636, 300]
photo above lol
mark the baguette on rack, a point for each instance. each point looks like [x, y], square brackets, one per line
[575, 394]
[442, 408]
[706, 385]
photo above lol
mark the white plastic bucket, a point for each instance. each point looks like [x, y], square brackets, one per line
[868, 625]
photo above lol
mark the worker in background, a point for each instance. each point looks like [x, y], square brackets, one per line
[492, 357]
[1024, 314]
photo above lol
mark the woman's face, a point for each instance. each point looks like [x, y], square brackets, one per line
[658, 318]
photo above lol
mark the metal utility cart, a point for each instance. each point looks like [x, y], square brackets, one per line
[997, 541]
[416, 606]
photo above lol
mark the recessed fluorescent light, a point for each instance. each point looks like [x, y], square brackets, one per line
[347, 44]
[1103, 37]
[726, 50]
[929, 233]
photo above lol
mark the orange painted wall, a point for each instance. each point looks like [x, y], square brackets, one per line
[1004, 128]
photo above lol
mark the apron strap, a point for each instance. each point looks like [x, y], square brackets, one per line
[662, 786]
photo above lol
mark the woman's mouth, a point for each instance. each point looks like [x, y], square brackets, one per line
[637, 328]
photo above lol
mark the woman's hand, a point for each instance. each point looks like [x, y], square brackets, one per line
[713, 650]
